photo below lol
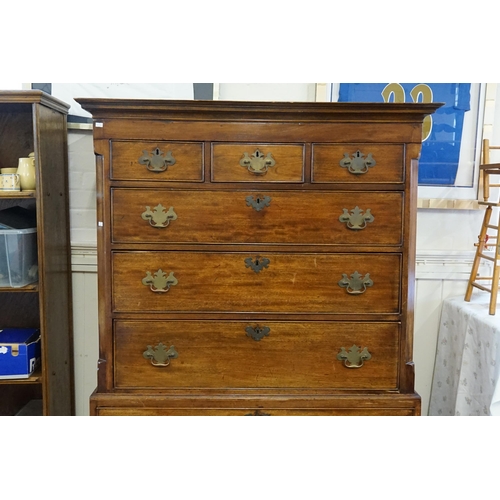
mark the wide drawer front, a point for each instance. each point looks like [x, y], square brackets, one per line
[246, 282]
[250, 412]
[163, 354]
[184, 216]
[257, 162]
[358, 163]
[156, 161]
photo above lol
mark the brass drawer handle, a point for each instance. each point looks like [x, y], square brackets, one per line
[356, 284]
[257, 164]
[356, 219]
[357, 163]
[257, 333]
[159, 282]
[160, 356]
[258, 413]
[259, 203]
[158, 217]
[258, 264]
[155, 161]
[355, 357]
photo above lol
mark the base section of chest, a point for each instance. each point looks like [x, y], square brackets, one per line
[280, 406]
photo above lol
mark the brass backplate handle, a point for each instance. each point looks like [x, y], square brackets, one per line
[357, 163]
[157, 161]
[158, 217]
[356, 284]
[258, 163]
[159, 282]
[160, 356]
[356, 219]
[355, 357]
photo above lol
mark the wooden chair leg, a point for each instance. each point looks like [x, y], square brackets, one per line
[496, 276]
[479, 251]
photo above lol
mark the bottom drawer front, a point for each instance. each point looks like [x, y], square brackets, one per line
[218, 412]
[207, 354]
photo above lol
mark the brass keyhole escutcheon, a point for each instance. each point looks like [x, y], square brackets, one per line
[257, 264]
[259, 203]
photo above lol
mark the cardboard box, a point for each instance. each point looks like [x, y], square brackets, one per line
[19, 352]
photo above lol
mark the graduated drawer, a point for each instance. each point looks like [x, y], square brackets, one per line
[257, 162]
[158, 161]
[190, 354]
[358, 163]
[249, 282]
[340, 218]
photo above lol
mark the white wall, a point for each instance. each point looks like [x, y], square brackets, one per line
[445, 240]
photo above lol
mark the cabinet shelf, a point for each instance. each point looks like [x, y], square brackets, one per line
[33, 287]
[14, 194]
[35, 378]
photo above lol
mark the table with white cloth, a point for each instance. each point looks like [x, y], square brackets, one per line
[466, 372]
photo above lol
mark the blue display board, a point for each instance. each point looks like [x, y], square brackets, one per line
[442, 131]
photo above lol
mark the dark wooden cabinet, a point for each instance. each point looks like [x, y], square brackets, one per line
[31, 121]
[256, 258]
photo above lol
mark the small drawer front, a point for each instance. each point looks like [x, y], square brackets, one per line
[358, 163]
[257, 162]
[248, 217]
[250, 282]
[223, 354]
[157, 161]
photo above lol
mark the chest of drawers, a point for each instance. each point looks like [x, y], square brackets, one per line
[256, 258]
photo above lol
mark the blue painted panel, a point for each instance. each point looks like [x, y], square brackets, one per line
[442, 131]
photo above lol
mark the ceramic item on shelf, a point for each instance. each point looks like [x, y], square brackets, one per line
[10, 182]
[12, 170]
[27, 172]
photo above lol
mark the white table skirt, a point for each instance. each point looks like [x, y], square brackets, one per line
[466, 372]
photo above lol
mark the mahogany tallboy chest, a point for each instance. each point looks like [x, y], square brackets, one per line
[256, 258]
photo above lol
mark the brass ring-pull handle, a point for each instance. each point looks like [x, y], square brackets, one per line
[158, 217]
[356, 219]
[259, 203]
[357, 163]
[356, 284]
[257, 264]
[160, 356]
[257, 164]
[159, 282]
[355, 357]
[257, 333]
[156, 161]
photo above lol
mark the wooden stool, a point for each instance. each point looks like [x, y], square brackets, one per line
[488, 236]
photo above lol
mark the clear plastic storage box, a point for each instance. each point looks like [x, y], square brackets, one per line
[18, 257]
